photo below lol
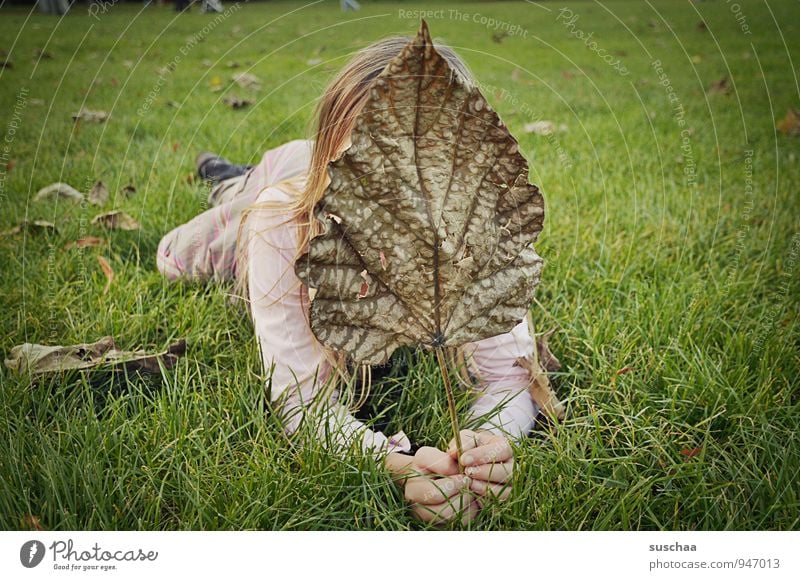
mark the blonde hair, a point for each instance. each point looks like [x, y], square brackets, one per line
[333, 120]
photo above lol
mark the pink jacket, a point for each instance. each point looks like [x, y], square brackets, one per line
[280, 310]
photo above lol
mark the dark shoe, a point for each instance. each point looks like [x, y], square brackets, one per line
[215, 169]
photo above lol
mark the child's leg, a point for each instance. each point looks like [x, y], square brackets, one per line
[205, 247]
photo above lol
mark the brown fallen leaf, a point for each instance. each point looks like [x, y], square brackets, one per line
[85, 242]
[624, 371]
[206, 63]
[42, 54]
[546, 358]
[40, 359]
[247, 81]
[58, 190]
[108, 271]
[32, 226]
[233, 64]
[235, 102]
[116, 220]
[701, 26]
[128, 190]
[720, 86]
[31, 522]
[543, 127]
[92, 116]
[98, 194]
[691, 452]
[6, 63]
[499, 36]
[790, 124]
[540, 389]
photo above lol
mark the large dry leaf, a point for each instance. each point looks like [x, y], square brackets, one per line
[429, 219]
[39, 358]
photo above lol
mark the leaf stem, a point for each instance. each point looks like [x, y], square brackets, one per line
[451, 404]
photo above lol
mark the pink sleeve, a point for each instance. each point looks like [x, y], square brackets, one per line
[504, 404]
[279, 306]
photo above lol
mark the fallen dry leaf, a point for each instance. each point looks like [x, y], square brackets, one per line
[32, 522]
[233, 64]
[720, 86]
[92, 116]
[108, 271]
[40, 359]
[128, 190]
[42, 54]
[98, 194]
[116, 220]
[58, 190]
[85, 242]
[543, 127]
[546, 358]
[247, 81]
[235, 102]
[691, 452]
[33, 226]
[540, 389]
[790, 124]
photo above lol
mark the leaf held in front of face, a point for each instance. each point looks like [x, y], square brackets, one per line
[432, 202]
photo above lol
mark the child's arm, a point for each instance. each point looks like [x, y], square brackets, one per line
[279, 306]
[503, 385]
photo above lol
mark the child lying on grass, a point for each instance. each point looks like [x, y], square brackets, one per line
[259, 224]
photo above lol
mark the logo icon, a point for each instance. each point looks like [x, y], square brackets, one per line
[31, 553]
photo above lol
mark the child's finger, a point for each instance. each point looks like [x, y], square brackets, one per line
[497, 450]
[469, 440]
[441, 513]
[483, 488]
[432, 460]
[428, 491]
[493, 472]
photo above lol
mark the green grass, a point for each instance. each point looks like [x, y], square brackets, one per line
[692, 284]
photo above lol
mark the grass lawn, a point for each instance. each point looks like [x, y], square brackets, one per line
[672, 249]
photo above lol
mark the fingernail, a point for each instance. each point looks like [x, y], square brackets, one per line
[466, 459]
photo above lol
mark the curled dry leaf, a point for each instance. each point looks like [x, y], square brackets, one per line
[98, 194]
[432, 177]
[116, 220]
[128, 190]
[88, 115]
[694, 452]
[85, 242]
[58, 190]
[234, 102]
[108, 272]
[32, 226]
[41, 359]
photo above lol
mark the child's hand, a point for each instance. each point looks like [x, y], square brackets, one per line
[488, 461]
[433, 485]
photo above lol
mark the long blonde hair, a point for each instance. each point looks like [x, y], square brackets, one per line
[332, 123]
